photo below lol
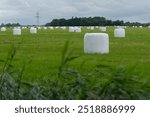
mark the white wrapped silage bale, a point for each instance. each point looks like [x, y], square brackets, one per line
[92, 28]
[119, 32]
[71, 29]
[18, 27]
[88, 27]
[64, 28]
[57, 27]
[33, 30]
[16, 31]
[52, 28]
[45, 28]
[96, 43]
[23, 28]
[39, 27]
[77, 29]
[3, 29]
[104, 29]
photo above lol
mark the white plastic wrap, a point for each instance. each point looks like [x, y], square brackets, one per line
[119, 33]
[64, 28]
[45, 28]
[16, 31]
[33, 30]
[103, 29]
[96, 43]
[77, 29]
[52, 28]
[3, 29]
[71, 29]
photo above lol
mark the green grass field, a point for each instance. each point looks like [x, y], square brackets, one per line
[42, 52]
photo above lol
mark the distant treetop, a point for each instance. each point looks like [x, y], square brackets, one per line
[91, 21]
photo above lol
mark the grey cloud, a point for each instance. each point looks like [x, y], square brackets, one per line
[24, 11]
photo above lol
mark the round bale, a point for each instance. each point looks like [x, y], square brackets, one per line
[96, 43]
[103, 29]
[16, 31]
[71, 29]
[119, 33]
[33, 30]
[3, 29]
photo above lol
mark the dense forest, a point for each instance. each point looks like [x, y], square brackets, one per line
[92, 21]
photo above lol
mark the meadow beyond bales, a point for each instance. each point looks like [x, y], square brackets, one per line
[48, 59]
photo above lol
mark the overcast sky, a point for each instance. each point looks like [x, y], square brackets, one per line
[24, 11]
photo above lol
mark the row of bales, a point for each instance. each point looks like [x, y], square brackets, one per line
[34, 30]
[79, 29]
[93, 42]
[71, 29]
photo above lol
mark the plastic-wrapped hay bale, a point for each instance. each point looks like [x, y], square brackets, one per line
[33, 30]
[134, 26]
[23, 28]
[64, 28]
[92, 27]
[52, 28]
[88, 27]
[16, 31]
[119, 32]
[3, 29]
[119, 27]
[39, 28]
[104, 29]
[96, 43]
[18, 27]
[56, 27]
[45, 28]
[71, 29]
[77, 29]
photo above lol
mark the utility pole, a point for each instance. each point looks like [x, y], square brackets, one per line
[38, 18]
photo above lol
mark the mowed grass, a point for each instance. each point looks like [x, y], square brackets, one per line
[42, 52]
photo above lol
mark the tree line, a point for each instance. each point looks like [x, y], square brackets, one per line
[10, 25]
[92, 21]
[84, 21]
